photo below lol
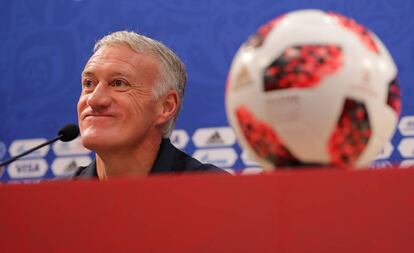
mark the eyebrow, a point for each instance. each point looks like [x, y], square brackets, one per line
[117, 73]
[120, 73]
[87, 73]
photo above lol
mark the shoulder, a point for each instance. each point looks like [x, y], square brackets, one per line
[86, 171]
[191, 164]
[171, 159]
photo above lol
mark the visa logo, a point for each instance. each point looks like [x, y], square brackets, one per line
[28, 168]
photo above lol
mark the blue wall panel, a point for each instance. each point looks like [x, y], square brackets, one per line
[45, 44]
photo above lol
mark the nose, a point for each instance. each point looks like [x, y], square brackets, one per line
[100, 98]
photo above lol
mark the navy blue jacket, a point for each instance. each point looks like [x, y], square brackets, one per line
[169, 160]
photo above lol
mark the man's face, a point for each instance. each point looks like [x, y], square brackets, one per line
[117, 108]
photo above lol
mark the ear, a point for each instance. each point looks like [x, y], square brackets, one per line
[168, 106]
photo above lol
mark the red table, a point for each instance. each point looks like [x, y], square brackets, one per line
[287, 211]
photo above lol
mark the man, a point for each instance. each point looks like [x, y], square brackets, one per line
[132, 90]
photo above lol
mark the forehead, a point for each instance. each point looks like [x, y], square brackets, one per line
[121, 58]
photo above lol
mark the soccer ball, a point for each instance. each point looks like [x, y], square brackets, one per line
[313, 88]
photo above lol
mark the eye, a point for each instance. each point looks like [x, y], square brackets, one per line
[87, 84]
[120, 84]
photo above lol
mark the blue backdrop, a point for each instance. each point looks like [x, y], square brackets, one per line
[45, 44]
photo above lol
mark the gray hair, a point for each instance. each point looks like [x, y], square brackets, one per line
[172, 74]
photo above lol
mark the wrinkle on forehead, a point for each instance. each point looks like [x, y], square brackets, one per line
[121, 58]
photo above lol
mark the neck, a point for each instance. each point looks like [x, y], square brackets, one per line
[127, 162]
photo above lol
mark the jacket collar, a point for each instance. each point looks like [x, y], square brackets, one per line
[162, 164]
[164, 161]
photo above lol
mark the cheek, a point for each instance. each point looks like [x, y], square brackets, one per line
[82, 101]
[140, 104]
[81, 105]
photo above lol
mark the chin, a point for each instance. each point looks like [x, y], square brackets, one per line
[90, 143]
[96, 140]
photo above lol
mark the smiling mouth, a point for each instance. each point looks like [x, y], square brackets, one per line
[97, 116]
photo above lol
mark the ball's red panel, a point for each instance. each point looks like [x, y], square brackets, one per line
[302, 66]
[351, 135]
[358, 29]
[263, 139]
[394, 96]
[256, 40]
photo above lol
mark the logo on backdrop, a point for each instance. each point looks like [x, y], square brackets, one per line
[19, 146]
[221, 157]
[2, 150]
[385, 152]
[179, 138]
[64, 166]
[214, 137]
[407, 164]
[381, 165]
[30, 168]
[406, 147]
[74, 147]
[247, 159]
[406, 125]
[252, 171]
